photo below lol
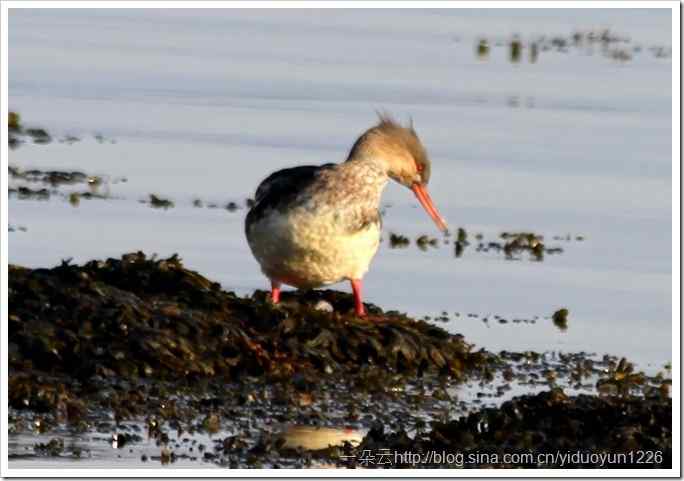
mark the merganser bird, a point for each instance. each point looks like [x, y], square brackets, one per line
[312, 226]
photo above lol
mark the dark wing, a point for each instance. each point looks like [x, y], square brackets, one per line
[285, 181]
[282, 188]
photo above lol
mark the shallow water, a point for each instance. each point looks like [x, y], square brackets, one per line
[204, 104]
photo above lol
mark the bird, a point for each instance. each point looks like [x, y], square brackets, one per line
[312, 226]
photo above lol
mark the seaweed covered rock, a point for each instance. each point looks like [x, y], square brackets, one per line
[535, 430]
[138, 317]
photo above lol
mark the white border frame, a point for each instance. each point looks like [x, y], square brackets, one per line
[175, 471]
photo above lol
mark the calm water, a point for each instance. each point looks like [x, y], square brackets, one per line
[204, 104]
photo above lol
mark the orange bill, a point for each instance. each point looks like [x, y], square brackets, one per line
[425, 200]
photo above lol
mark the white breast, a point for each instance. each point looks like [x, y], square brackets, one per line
[305, 250]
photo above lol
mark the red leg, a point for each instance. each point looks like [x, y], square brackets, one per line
[275, 292]
[358, 302]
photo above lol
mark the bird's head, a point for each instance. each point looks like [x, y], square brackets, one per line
[403, 157]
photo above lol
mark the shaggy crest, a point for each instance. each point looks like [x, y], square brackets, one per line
[389, 136]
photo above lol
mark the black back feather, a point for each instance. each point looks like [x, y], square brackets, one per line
[281, 188]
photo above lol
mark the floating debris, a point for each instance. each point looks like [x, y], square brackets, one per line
[75, 199]
[14, 122]
[482, 49]
[461, 242]
[25, 193]
[69, 139]
[14, 142]
[101, 139]
[398, 241]
[158, 202]
[424, 241]
[229, 206]
[612, 46]
[14, 129]
[516, 49]
[19, 134]
[560, 319]
[661, 52]
[53, 177]
[516, 243]
[94, 182]
[462, 235]
[40, 136]
[534, 52]
[57, 179]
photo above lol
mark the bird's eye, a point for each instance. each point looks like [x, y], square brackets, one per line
[420, 167]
